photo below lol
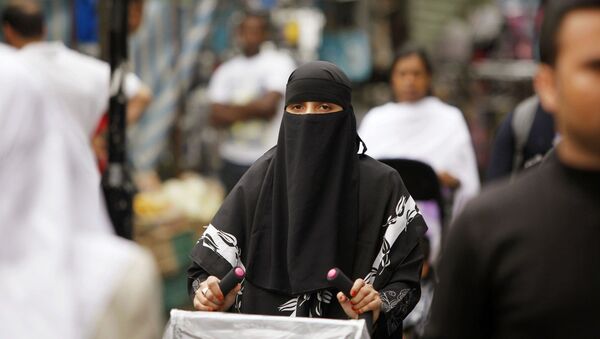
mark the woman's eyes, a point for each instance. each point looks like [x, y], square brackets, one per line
[312, 108]
[328, 108]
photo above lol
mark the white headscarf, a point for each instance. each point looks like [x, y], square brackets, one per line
[59, 261]
[429, 131]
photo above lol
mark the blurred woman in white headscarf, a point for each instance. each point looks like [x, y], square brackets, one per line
[419, 126]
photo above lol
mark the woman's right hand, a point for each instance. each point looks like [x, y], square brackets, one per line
[210, 298]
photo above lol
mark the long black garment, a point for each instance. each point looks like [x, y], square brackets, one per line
[313, 203]
[523, 260]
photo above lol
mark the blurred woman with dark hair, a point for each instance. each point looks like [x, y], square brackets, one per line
[421, 127]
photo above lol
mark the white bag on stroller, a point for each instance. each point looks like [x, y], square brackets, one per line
[218, 325]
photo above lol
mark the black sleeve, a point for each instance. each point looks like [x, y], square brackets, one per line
[460, 300]
[501, 161]
[400, 296]
[221, 246]
[399, 283]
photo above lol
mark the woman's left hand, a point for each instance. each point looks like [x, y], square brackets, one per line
[364, 299]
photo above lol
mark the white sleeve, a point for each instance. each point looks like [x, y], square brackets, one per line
[218, 90]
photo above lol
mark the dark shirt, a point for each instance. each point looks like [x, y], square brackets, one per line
[523, 260]
[539, 141]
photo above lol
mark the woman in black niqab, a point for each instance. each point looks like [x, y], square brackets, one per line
[312, 203]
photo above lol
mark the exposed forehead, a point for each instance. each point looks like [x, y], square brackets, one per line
[410, 60]
[579, 34]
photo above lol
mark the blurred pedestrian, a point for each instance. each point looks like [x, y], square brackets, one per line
[421, 127]
[64, 274]
[246, 98]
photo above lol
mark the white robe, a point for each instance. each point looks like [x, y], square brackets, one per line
[59, 261]
[79, 81]
[429, 131]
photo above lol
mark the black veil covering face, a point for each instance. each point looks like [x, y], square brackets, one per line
[309, 203]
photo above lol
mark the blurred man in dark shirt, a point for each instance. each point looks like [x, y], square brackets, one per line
[522, 260]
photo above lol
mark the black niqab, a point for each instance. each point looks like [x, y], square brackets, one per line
[306, 220]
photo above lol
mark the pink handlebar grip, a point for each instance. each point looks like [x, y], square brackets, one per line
[232, 278]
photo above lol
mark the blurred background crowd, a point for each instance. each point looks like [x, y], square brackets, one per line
[482, 52]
